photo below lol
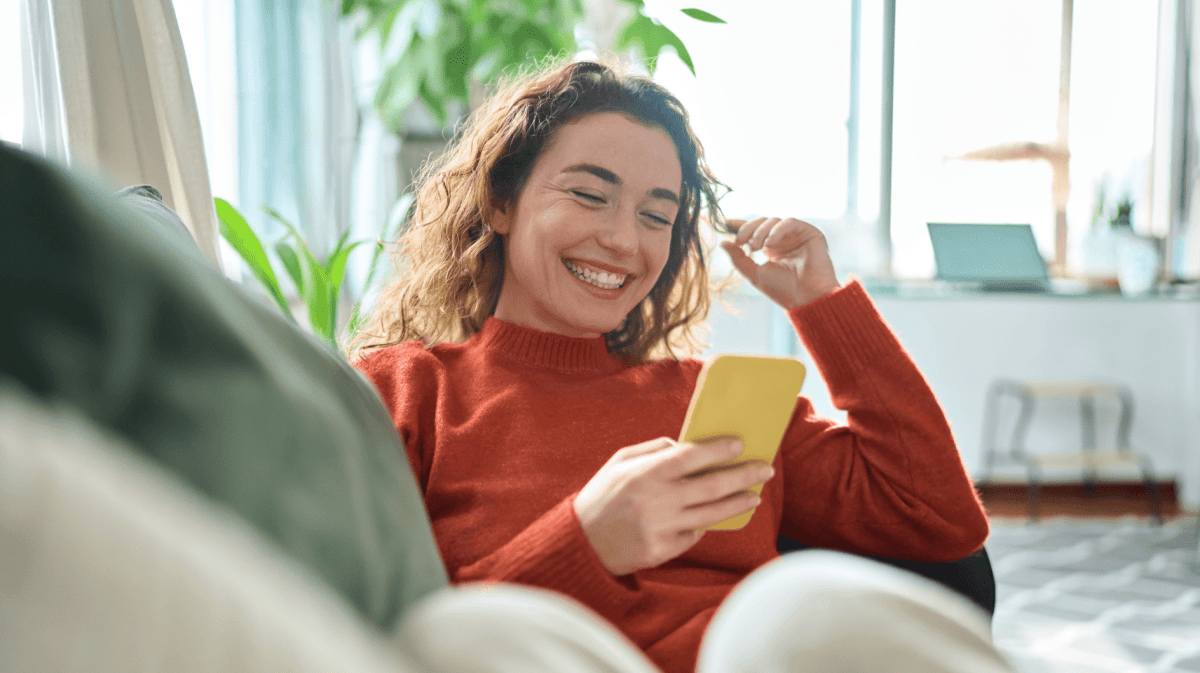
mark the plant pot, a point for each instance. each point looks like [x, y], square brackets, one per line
[1139, 262]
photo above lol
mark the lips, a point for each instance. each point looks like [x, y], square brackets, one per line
[592, 275]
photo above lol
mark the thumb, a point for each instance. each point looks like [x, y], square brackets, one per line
[741, 261]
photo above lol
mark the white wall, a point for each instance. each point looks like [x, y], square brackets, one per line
[963, 343]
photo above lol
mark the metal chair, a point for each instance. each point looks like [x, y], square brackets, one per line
[1089, 459]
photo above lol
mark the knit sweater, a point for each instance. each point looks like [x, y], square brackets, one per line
[503, 430]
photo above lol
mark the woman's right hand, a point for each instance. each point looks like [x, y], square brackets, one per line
[647, 506]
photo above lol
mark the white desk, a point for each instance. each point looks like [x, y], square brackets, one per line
[963, 342]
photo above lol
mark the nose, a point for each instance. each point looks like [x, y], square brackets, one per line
[620, 234]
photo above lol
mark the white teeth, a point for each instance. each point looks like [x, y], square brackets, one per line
[608, 281]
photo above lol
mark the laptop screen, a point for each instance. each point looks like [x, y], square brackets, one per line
[986, 252]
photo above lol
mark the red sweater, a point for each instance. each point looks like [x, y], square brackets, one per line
[502, 432]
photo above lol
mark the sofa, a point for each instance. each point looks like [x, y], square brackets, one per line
[188, 482]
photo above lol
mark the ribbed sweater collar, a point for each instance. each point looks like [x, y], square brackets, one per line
[545, 350]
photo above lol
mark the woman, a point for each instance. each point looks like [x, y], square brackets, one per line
[530, 348]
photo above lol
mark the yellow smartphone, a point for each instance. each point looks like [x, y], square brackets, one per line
[748, 396]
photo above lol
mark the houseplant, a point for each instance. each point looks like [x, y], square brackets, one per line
[318, 282]
[436, 50]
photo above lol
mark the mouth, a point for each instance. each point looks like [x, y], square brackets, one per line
[597, 279]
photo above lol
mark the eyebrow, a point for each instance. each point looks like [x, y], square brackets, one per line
[614, 179]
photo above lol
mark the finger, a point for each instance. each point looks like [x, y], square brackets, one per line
[653, 446]
[703, 516]
[722, 483]
[689, 537]
[741, 261]
[692, 456]
[761, 233]
[747, 230]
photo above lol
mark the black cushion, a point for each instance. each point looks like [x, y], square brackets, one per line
[971, 576]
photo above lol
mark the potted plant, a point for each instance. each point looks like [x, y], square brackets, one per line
[318, 282]
[436, 51]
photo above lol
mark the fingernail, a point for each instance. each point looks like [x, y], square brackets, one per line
[766, 473]
[735, 447]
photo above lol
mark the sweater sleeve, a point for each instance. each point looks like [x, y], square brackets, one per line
[890, 482]
[553, 553]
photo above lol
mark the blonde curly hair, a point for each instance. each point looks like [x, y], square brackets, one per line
[449, 265]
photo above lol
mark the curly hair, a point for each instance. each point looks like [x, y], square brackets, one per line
[449, 265]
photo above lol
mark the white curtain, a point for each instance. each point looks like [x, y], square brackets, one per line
[107, 88]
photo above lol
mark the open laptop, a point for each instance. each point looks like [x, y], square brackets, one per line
[989, 257]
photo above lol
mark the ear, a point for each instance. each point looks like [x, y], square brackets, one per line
[500, 218]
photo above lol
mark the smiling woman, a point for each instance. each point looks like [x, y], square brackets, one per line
[587, 241]
[619, 150]
[532, 349]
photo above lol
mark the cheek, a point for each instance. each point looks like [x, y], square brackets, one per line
[662, 251]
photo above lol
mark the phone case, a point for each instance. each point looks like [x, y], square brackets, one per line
[751, 397]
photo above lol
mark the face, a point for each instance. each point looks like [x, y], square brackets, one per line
[590, 231]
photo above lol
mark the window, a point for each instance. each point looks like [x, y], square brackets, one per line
[972, 76]
[772, 102]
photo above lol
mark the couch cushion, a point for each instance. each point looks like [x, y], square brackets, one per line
[111, 564]
[122, 319]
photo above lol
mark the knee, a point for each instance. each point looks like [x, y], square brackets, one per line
[505, 628]
[829, 610]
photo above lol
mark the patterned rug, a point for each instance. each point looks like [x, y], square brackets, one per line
[1091, 595]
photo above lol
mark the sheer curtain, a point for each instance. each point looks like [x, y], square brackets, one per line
[107, 88]
[297, 120]
[309, 142]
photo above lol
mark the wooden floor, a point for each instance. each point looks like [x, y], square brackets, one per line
[1108, 499]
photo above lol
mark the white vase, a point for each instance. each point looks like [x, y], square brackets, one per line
[1138, 264]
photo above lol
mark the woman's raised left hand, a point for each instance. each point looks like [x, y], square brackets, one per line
[797, 270]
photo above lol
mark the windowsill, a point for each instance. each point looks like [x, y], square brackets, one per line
[1060, 289]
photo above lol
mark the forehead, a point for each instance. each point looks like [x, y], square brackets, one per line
[630, 148]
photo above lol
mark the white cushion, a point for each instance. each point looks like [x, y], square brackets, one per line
[109, 563]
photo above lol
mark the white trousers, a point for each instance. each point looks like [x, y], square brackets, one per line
[814, 611]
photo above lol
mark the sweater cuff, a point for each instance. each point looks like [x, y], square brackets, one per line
[843, 332]
[562, 559]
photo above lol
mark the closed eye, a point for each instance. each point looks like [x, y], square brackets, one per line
[590, 197]
[656, 218]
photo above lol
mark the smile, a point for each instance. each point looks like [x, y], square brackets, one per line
[600, 279]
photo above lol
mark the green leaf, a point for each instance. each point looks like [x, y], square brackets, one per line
[701, 15]
[680, 50]
[436, 103]
[314, 279]
[316, 294]
[396, 32]
[336, 270]
[235, 230]
[652, 36]
[291, 262]
[275, 215]
[340, 243]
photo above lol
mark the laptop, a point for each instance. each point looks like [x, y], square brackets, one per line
[989, 257]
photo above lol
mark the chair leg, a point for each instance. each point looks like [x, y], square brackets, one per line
[1152, 494]
[1155, 501]
[1033, 492]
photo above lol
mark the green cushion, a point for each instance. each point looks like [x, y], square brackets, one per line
[121, 317]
